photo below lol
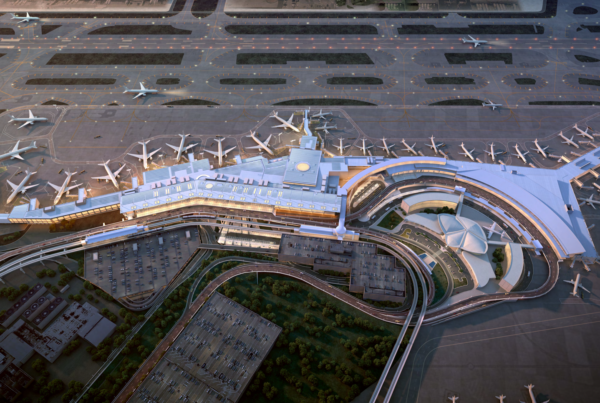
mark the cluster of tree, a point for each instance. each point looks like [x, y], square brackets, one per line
[74, 387]
[228, 290]
[43, 385]
[375, 350]
[335, 273]
[348, 321]
[443, 210]
[52, 288]
[113, 383]
[498, 258]
[103, 350]
[62, 268]
[47, 272]
[65, 278]
[64, 225]
[72, 346]
[291, 379]
[9, 238]
[282, 288]
[111, 316]
[328, 396]
[13, 293]
[91, 287]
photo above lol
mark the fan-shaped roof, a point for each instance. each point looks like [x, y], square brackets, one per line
[462, 233]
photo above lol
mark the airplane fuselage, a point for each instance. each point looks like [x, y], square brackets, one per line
[15, 153]
[19, 188]
[61, 192]
[260, 143]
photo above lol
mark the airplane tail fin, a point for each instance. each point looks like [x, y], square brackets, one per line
[12, 15]
[33, 145]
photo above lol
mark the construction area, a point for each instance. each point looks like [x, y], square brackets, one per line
[214, 358]
[136, 268]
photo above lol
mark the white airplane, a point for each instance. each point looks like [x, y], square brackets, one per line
[568, 141]
[409, 148]
[220, 153]
[264, 146]
[145, 156]
[365, 148]
[492, 153]
[342, 147]
[15, 152]
[20, 188]
[453, 398]
[179, 150]
[112, 176]
[434, 146]
[584, 133]
[475, 42]
[28, 121]
[495, 229]
[24, 19]
[321, 115]
[590, 201]
[576, 285]
[467, 153]
[491, 104]
[530, 388]
[326, 128]
[385, 146]
[520, 154]
[65, 188]
[142, 92]
[285, 124]
[501, 398]
[539, 149]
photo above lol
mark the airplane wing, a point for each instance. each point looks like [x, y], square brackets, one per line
[137, 156]
[141, 94]
[105, 177]
[31, 115]
[16, 147]
[190, 146]
[569, 281]
[338, 147]
[267, 142]
[12, 185]
[16, 156]
[583, 288]
[473, 39]
[253, 148]
[290, 119]
[116, 173]
[211, 152]
[152, 153]
[282, 126]
[57, 188]
[174, 148]
[25, 188]
[227, 151]
[142, 87]
[25, 124]
[72, 187]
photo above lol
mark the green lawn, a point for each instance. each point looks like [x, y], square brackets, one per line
[460, 283]
[390, 221]
[441, 283]
[327, 348]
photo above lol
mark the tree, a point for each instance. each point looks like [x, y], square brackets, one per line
[23, 287]
[123, 312]
[38, 365]
[50, 273]
[41, 274]
[56, 386]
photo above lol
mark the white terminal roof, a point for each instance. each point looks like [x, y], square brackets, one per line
[463, 233]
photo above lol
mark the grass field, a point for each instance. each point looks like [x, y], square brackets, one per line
[564, 103]
[390, 221]
[301, 29]
[46, 29]
[586, 59]
[459, 283]
[53, 102]
[589, 81]
[7, 31]
[140, 30]
[354, 81]
[441, 283]
[191, 101]
[100, 59]
[463, 58]
[449, 80]
[70, 81]
[525, 81]
[325, 102]
[471, 30]
[167, 81]
[326, 345]
[253, 81]
[459, 102]
[283, 58]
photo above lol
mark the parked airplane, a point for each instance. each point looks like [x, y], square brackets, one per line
[539, 149]
[409, 148]
[434, 146]
[111, 176]
[576, 285]
[179, 150]
[220, 153]
[453, 398]
[531, 396]
[28, 121]
[285, 124]
[501, 398]
[342, 147]
[365, 148]
[261, 145]
[20, 188]
[495, 229]
[467, 153]
[142, 92]
[520, 154]
[584, 133]
[492, 153]
[568, 141]
[475, 42]
[65, 188]
[321, 115]
[385, 146]
[15, 152]
[590, 201]
[27, 18]
[145, 156]
[491, 104]
[326, 128]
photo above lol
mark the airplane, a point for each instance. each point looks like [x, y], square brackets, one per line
[584, 133]
[409, 148]
[144, 156]
[568, 141]
[386, 147]
[576, 285]
[501, 398]
[495, 229]
[530, 388]
[365, 148]
[15, 152]
[65, 188]
[220, 153]
[326, 128]
[520, 154]
[342, 147]
[20, 188]
[285, 124]
[112, 176]
[493, 105]
[475, 42]
[24, 19]
[181, 148]
[590, 201]
[453, 398]
[142, 92]
[467, 153]
[321, 115]
[28, 121]
[264, 146]
[433, 145]
[492, 153]
[539, 149]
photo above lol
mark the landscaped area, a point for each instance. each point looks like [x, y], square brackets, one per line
[390, 221]
[440, 280]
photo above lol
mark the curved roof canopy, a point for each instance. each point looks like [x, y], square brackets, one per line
[462, 233]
